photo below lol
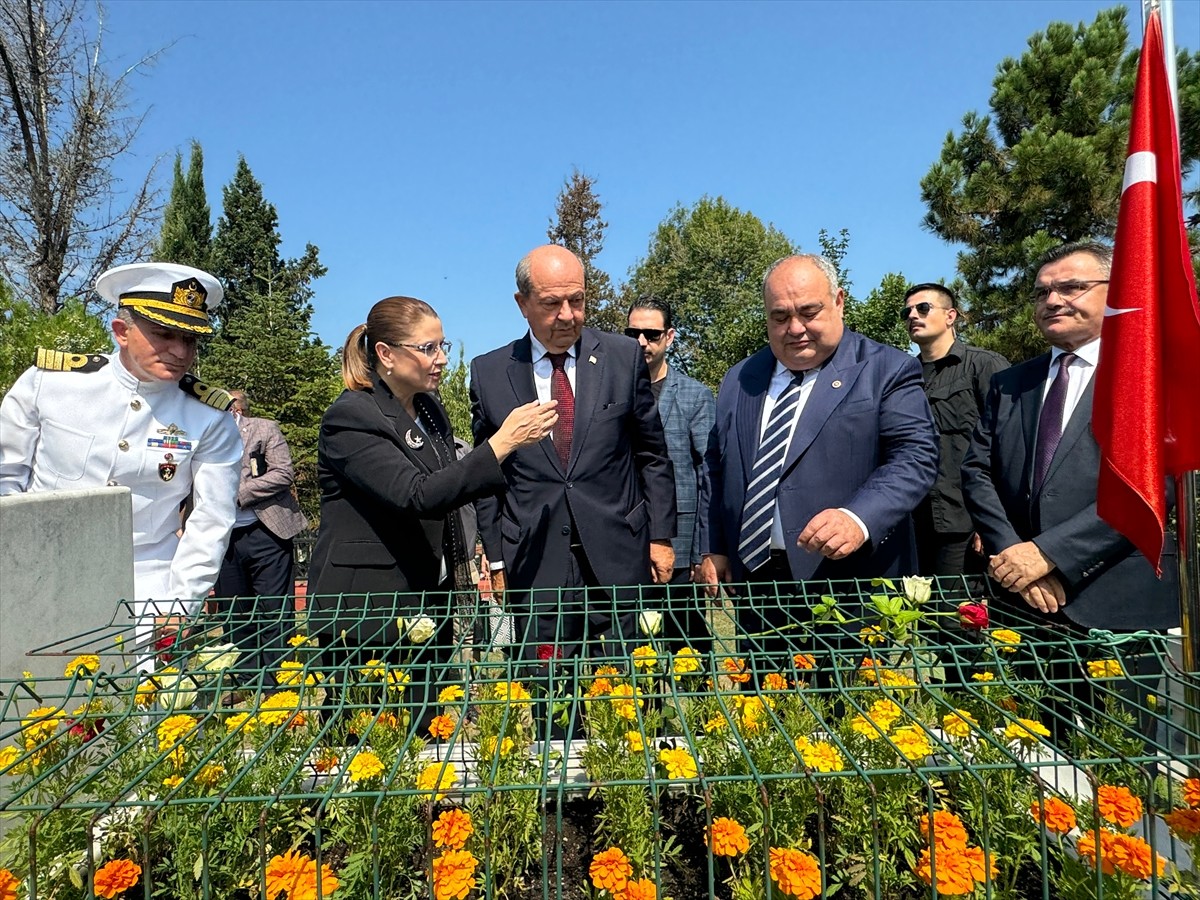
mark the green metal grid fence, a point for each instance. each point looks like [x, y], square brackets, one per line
[875, 742]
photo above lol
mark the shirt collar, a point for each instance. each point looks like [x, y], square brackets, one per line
[131, 382]
[1089, 353]
[539, 352]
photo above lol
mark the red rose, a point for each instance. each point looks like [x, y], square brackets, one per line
[973, 616]
[548, 651]
[162, 647]
[87, 729]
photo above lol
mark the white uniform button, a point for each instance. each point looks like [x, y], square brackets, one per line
[136, 404]
[124, 445]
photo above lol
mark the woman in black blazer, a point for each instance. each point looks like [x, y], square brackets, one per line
[391, 488]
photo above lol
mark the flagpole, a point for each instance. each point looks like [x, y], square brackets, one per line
[1187, 485]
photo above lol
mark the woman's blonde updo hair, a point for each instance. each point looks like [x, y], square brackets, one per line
[393, 321]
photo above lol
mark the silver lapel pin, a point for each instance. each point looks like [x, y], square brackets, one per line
[414, 440]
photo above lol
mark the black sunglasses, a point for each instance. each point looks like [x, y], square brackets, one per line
[921, 308]
[653, 335]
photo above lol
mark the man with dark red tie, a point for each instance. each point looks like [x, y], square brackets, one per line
[592, 506]
[1029, 479]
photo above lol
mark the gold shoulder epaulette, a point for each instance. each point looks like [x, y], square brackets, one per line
[58, 361]
[212, 396]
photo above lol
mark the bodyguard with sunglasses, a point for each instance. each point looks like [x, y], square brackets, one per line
[957, 376]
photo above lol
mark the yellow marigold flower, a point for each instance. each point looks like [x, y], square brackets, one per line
[1184, 822]
[774, 681]
[611, 871]
[441, 727]
[873, 635]
[8, 885]
[513, 692]
[1191, 792]
[868, 727]
[955, 872]
[984, 676]
[1118, 805]
[452, 828]
[1105, 668]
[1027, 731]
[948, 833]
[798, 874]
[143, 695]
[959, 724]
[886, 711]
[236, 721]
[678, 762]
[174, 729]
[735, 670]
[685, 662]
[1056, 816]
[634, 742]
[365, 766]
[278, 708]
[373, 670]
[804, 661]
[296, 874]
[86, 664]
[752, 711]
[645, 658]
[626, 700]
[454, 875]
[451, 694]
[40, 724]
[292, 673]
[716, 723]
[727, 837]
[912, 742]
[823, 757]
[896, 680]
[1007, 640]
[438, 778]
[172, 781]
[8, 756]
[298, 640]
[641, 889]
[605, 671]
[114, 878]
[397, 680]
[506, 745]
[869, 669]
[210, 774]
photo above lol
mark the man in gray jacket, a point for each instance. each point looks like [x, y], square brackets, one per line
[688, 411]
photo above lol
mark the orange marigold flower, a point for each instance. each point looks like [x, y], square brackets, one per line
[774, 681]
[1117, 805]
[610, 870]
[1057, 817]
[8, 885]
[735, 669]
[1184, 822]
[116, 877]
[804, 661]
[441, 727]
[948, 831]
[1191, 792]
[955, 870]
[1134, 856]
[454, 875]
[869, 670]
[982, 869]
[297, 874]
[452, 828]
[642, 889]
[727, 837]
[600, 687]
[1086, 846]
[797, 873]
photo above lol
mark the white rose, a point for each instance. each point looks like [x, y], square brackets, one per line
[217, 658]
[917, 589]
[421, 629]
[650, 622]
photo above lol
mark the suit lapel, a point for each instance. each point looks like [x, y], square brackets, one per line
[1031, 409]
[1077, 426]
[822, 401]
[409, 436]
[589, 375]
[666, 400]
[520, 377]
[755, 380]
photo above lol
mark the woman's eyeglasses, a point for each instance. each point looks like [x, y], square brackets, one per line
[429, 349]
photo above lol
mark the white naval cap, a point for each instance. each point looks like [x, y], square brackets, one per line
[176, 296]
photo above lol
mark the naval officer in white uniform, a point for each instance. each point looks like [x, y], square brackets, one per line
[137, 418]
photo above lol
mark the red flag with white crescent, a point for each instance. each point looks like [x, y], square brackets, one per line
[1145, 414]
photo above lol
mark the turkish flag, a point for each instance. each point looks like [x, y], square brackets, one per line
[1145, 415]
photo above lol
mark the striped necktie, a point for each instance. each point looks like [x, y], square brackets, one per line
[758, 512]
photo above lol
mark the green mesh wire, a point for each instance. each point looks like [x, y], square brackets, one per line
[442, 757]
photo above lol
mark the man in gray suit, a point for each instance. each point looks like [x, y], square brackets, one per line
[688, 411]
[257, 570]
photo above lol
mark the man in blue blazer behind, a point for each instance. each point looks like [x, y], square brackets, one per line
[824, 445]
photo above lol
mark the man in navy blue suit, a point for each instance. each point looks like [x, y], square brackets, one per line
[824, 445]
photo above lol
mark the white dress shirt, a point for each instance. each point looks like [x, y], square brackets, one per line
[1083, 367]
[543, 368]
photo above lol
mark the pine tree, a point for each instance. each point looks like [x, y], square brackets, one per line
[579, 227]
[1043, 169]
[186, 236]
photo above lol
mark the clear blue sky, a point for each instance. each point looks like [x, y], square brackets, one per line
[421, 145]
